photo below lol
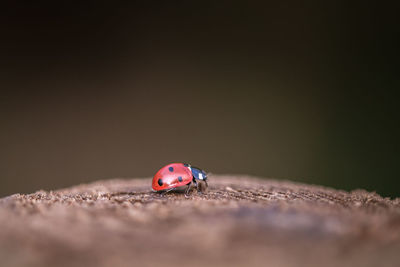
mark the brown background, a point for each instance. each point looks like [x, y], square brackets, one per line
[299, 91]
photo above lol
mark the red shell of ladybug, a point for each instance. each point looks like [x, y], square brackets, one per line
[171, 176]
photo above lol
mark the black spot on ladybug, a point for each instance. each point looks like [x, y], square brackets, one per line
[180, 178]
[160, 182]
[171, 169]
[185, 164]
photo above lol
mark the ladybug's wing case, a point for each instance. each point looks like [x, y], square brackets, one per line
[171, 176]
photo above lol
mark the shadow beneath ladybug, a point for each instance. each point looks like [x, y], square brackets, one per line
[199, 186]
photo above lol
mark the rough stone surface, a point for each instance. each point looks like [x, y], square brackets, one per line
[241, 221]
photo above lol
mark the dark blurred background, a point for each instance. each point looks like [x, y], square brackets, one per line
[292, 90]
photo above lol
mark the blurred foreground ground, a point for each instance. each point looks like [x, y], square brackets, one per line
[241, 221]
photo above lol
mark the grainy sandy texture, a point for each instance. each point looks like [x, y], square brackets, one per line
[241, 221]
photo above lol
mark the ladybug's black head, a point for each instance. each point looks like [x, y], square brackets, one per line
[198, 173]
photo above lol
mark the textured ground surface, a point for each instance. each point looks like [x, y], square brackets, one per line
[241, 221]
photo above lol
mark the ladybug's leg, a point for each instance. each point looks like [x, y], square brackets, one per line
[202, 186]
[198, 187]
[166, 191]
[189, 188]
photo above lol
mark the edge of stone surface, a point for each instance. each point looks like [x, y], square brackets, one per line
[143, 184]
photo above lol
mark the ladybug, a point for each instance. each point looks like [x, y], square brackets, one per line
[178, 177]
